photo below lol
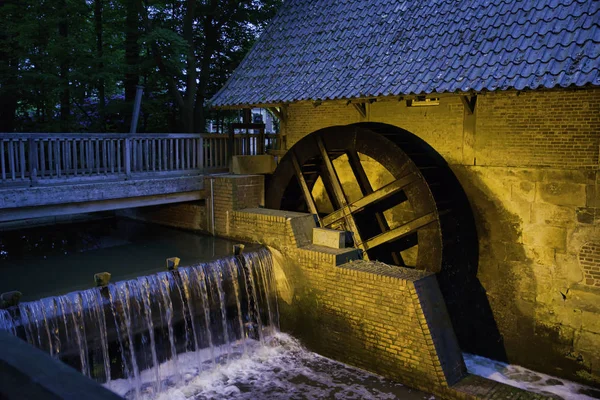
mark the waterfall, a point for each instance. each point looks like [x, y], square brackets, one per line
[141, 326]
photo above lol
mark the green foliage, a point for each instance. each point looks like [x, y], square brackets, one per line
[55, 55]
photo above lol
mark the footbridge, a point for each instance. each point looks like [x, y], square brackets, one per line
[44, 175]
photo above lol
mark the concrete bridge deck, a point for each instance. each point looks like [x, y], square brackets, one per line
[43, 175]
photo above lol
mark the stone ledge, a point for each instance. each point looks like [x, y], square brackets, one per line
[380, 268]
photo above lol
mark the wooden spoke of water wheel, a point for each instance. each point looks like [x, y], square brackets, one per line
[313, 157]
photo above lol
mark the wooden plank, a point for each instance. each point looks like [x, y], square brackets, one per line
[171, 153]
[89, 157]
[337, 191]
[378, 195]
[104, 156]
[42, 151]
[118, 156]
[50, 158]
[153, 154]
[469, 103]
[74, 145]
[33, 159]
[310, 201]
[176, 153]
[139, 145]
[82, 156]
[159, 145]
[361, 108]
[400, 231]
[22, 163]
[134, 155]
[97, 153]
[2, 161]
[188, 154]
[127, 156]
[194, 147]
[66, 156]
[366, 188]
[147, 154]
[201, 153]
[57, 158]
[111, 155]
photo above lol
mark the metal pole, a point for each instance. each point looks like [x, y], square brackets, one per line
[136, 108]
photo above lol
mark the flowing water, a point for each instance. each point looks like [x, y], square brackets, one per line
[128, 328]
[210, 331]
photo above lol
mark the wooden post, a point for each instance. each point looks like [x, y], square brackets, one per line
[127, 154]
[2, 166]
[33, 160]
[201, 154]
[230, 146]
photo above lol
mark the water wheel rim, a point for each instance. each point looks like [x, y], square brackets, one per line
[286, 191]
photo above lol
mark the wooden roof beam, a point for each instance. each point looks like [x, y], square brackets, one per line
[361, 108]
[279, 112]
[469, 102]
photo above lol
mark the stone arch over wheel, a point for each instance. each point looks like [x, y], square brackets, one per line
[407, 214]
[440, 223]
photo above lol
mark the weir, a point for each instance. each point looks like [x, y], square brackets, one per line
[120, 330]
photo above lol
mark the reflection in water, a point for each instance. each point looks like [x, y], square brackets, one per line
[57, 259]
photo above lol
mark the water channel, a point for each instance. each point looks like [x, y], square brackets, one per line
[206, 331]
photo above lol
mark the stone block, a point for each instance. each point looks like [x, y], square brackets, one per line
[550, 214]
[562, 193]
[588, 215]
[523, 191]
[329, 238]
[545, 237]
[593, 195]
[591, 321]
[588, 341]
[262, 164]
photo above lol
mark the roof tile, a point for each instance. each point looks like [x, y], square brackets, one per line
[327, 49]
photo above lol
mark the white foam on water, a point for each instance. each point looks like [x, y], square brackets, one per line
[523, 378]
[280, 369]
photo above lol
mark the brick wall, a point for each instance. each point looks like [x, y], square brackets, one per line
[389, 321]
[589, 257]
[557, 128]
[233, 192]
[529, 164]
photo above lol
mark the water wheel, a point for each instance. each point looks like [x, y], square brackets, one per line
[332, 173]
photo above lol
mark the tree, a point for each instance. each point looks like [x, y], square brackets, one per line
[74, 64]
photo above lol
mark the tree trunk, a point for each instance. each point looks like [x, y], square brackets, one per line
[65, 96]
[99, 54]
[210, 43]
[8, 91]
[132, 54]
[187, 112]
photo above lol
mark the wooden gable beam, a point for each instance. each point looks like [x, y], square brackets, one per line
[279, 112]
[469, 102]
[361, 108]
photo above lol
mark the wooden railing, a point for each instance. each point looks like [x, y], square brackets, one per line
[46, 158]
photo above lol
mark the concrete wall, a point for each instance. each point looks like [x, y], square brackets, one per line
[223, 193]
[529, 164]
[192, 216]
[392, 321]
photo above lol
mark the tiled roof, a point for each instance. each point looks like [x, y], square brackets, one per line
[343, 49]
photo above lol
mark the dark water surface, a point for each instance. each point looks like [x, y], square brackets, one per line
[52, 260]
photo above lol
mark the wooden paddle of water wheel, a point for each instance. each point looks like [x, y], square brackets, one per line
[397, 223]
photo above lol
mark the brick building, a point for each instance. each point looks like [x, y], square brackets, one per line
[508, 94]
